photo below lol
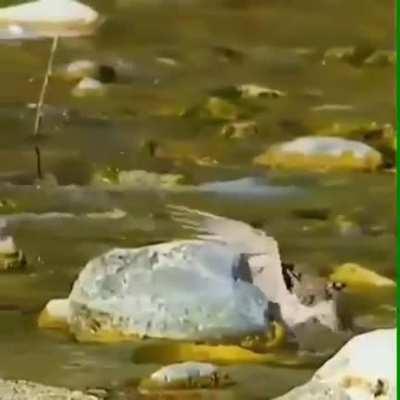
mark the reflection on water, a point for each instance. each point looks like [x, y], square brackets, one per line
[169, 56]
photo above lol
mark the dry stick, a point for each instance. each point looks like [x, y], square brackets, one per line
[39, 105]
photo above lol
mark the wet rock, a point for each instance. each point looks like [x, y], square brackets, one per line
[11, 258]
[357, 277]
[248, 187]
[321, 154]
[177, 290]
[354, 55]
[7, 205]
[138, 179]
[347, 227]
[78, 70]
[167, 61]
[339, 53]
[380, 136]
[23, 390]
[332, 107]
[88, 87]
[81, 69]
[188, 375]
[320, 214]
[228, 54]
[222, 109]
[356, 130]
[251, 90]
[239, 130]
[55, 315]
[364, 369]
[381, 58]
[51, 17]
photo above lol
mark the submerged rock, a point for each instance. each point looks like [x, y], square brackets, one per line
[188, 375]
[23, 390]
[250, 186]
[381, 58]
[320, 154]
[78, 70]
[251, 90]
[222, 109]
[89, 87]
[81, 69]
[137, 179]
[357, 277]
[177, 290]
[364, 369]
[239, 130]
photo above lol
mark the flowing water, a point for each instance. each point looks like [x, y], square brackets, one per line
[169, 57]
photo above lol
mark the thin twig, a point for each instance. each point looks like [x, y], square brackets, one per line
[39, 105]
[39, 171]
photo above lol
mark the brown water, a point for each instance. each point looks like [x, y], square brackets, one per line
[216, 44]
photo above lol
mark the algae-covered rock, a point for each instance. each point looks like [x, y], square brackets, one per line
[187, 375]
[239, 130]
[358, 277]
[177, 290]
[346, 226]
[137, 179]
[381, 58]
[222, 109]
[380, 136]
[354, 55]
[321, 154]
[339, 53]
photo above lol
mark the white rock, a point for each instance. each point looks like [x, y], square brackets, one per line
[319, 152]
[88, 86]
[179, 290]
[183, 372]
[49, 12]
[362, 362]
[250, 90]
[315, 390]
[331, 146]
[7, 246]
[79, 69]
[364, 369]
[56, 314]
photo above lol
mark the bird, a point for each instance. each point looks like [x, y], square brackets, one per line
[301, 302]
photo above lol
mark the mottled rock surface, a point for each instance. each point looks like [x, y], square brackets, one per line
[22, 390]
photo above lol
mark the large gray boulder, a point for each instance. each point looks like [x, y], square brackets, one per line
[179, 290]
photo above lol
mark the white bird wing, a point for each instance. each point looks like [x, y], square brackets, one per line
[262, 250]
[238, 234]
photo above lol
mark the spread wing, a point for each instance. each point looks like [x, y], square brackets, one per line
[237, 234]
[262, 250]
